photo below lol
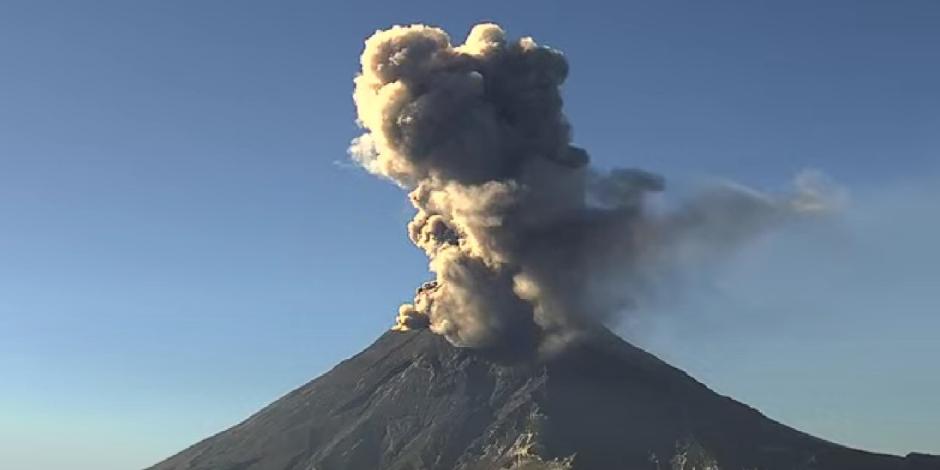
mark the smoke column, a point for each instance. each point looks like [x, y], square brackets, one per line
[529, 245]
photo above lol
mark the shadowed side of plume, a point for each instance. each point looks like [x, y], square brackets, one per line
[524, 238]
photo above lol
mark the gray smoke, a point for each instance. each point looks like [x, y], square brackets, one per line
[528, 244]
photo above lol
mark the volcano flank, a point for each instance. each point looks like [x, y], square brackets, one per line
[412, 400]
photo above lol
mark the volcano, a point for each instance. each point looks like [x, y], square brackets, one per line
[411, 400]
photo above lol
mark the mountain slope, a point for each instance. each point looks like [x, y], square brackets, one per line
[413, 401]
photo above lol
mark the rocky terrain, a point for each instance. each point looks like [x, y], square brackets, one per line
[413, 401]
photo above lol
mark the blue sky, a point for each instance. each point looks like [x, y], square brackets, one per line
[181, 242]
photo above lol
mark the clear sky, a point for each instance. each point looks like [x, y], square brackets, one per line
[182, 240]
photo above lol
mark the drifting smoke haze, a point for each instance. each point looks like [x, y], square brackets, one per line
[529, 245]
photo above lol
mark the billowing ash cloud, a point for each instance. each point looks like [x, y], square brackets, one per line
[529, 245]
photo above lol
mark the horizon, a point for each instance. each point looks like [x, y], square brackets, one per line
[186, 239]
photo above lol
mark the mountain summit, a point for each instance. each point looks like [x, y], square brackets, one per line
[411, 400]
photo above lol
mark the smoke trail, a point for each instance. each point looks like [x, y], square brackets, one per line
[528, 244]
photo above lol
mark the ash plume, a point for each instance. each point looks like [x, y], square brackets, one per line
[528, 244]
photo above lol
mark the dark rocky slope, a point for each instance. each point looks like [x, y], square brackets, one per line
[412, 401]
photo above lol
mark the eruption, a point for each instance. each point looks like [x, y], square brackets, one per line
[529, 245]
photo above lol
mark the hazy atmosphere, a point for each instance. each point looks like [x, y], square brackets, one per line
[184, 236]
